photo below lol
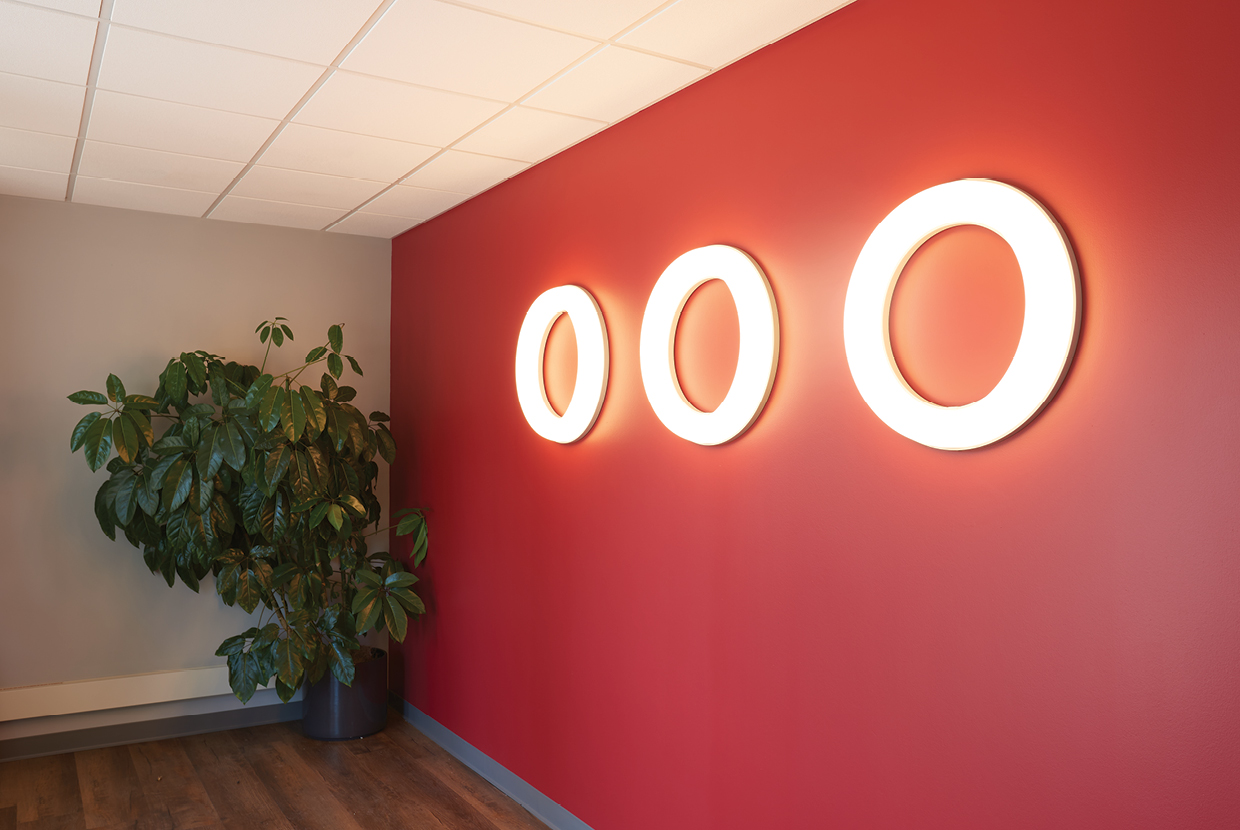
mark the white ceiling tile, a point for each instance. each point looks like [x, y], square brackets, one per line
[37, 184]
[717, 32]
[374, 224]
[448, 47]
[218, 77]
[176, 128]
[39, 105]
[615, 83]
[374, 106]
[45, 44]
[36, 151]
[136, 164]
[258, 211]
[415, 202]
[598, 19]
[298, 187]
[317, 150]
[135, 196]
[90, 8]
[465, 172]
[306, 30]
[529, 135]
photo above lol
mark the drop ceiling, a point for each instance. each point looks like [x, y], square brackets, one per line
[353, 116]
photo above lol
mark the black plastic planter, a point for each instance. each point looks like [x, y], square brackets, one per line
[333, 711]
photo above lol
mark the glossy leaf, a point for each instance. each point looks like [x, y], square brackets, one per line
[79, 431]
[315, 413]
[357, 367]
[396, 618]
[210, 453]
[288, 332]
[257, 391]
[335, 337]
[231, 646]
[328, 385]
[196, 368]
[289, 665]
[342, 663]
[276, 465]
[98, 443]
[175, 383]
[116, 389]
[275, 516]
[411, 601]
[316, 354]
[126, 498]
[387, 444]
[379, 416]
[243, 675]
[142, 423]
[399, 579]
[141, 402]
[125, 436]
[277, 337]
[269, 410]
[335, 365]
[104, 498]
[367, 608]
[262, 338]
[177, 482]
[85, 397]
[335, 515]
[293, 415]
[249, 591]
[233, 447]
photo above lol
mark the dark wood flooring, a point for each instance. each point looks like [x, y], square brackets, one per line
[260, 777]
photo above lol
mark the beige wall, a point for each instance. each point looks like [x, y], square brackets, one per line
[86, 291]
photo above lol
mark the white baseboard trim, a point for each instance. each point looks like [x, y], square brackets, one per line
[541, 806]
[112, 692]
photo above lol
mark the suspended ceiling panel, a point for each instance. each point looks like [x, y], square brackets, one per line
[354, 116]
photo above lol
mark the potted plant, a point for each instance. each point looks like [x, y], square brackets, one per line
[268, 484]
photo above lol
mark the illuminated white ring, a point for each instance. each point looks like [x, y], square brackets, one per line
[1047, 338]
[592, 360]
[759, 344]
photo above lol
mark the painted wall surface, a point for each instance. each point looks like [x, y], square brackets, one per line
[824, 623]
[87, 291]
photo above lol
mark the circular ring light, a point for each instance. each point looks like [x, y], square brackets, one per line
[759, 344]
[592, 363]
[1047, 339]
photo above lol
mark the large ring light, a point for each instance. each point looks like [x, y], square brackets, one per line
[592, 363]
[1047, 339]
[759, 344]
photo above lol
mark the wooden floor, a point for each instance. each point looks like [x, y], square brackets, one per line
[261, 777]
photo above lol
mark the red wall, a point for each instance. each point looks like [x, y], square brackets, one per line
[824, 624]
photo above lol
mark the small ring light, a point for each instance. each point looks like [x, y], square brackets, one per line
[592, 363]
[759, 344]
[1047, 339]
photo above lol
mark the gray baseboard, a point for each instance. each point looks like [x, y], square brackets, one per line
[541, 806]
[14, 749]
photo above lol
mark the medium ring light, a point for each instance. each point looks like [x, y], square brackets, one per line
[592, 363]
[759, 344]
[1047, 339]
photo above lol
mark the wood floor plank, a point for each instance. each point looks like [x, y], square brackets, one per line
[72, 821]
[482, 795]
[370, 799]
[111, 792]
[239, 797]
[172, 786]
[300, 792]
[42, 787]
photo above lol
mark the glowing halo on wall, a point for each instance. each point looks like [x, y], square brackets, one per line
[1047, 339]
[592, 363]
[759, 344]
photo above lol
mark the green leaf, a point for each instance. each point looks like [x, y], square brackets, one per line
[342, 663]
[387, 444]
[288, 332]
[243, 675]
[210, 453]
[335, 365]
[399, 579]
[315, 413]
[104, 498]
[219, 386]
[177, 483]
[142, 423]
[249, 591]
[85, 397]
[369, 577]
[367, 608]
[141, 402]
[353, 362]
[125, 434]
[269, 410]
[379, 416]
[116, 389]
[335, 515]
[335, 337]
[232, 447]
[409, 523]
[328, 386]
[174, 382]
[345, 393]
[318, 512]
[410, 600]
[275, 517]
[316, 354]
[262, 338]
[351, 503]
[98, 443]
[285, 692]
[289, 666]
[79, 431]
[197, 369]
[231, 646]
[277, 337]
[396, 618]
[257, 391]
[293, 415]
[126, 503]
[276, 466]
